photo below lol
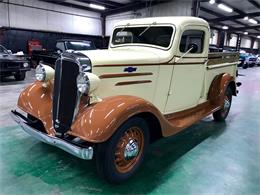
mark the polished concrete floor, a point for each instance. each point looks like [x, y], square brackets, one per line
[207, 158]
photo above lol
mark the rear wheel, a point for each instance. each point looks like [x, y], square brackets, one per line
[20, 76]
[222, 114]
[119, 158]
[245, 65]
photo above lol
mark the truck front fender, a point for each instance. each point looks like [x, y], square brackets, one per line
[96, 123]
[218, 88]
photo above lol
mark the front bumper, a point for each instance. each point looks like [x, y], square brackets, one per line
[85, 153]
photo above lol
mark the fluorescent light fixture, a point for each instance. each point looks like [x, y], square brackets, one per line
[212, 2]
[258, 36]
[94, 6]
[225, 8]
[245, 33]
[246, 18]
[252, 21]
[225, 27]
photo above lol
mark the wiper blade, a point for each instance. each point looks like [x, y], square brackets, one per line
[146, 29]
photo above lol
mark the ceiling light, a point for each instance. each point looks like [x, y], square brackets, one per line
[252, 21]
[246, 18]
[225, 8]
[258, 36]
[225, 27]
[94, 6]
[245, 33]
[212, 1]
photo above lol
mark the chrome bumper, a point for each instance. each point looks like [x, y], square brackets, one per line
[80, 152]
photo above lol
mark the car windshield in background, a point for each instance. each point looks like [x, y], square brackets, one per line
[74, 45]
[3, 50]
[149, 35]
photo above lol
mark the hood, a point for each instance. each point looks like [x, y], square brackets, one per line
[125, 56]
[10, 57]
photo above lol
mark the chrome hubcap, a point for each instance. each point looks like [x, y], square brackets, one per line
[131, 150]
[226, 104]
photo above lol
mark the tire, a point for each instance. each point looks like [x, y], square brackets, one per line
[222, 114]
[245, 66]
[111, 160]
[20, 76]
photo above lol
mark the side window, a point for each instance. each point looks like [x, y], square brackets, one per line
[60, 46]
[192, 37]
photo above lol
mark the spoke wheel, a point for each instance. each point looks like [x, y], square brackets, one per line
[129, 149]
[122, 154]
[221, 114]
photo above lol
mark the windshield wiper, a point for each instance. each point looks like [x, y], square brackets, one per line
[146, 29]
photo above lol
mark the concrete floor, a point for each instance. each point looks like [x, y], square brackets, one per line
[207, 158]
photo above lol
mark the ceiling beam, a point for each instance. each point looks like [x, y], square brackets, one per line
[253, 2]
[235, 9]
[64, 3]
[219, 16]
[107, 4]
[134, 5]
[240, 16]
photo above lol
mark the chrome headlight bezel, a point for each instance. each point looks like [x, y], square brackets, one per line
[25, 64]
[83, 83]
[40, 73]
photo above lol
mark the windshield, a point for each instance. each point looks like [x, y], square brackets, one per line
[150, 35]
[74, 45]
[3, 50]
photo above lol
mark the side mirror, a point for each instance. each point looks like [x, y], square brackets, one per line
[59, 51]
[9, 51]
[194, 47]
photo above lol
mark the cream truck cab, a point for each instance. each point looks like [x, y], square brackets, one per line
[156, 78]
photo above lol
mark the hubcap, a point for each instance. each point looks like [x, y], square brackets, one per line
[226, 104]
[129, 149]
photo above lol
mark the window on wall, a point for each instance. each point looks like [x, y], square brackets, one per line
[192, 37]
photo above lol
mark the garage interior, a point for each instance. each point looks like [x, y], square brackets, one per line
[206, 158]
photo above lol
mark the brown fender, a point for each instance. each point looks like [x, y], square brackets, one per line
[94, 123]
[97, 122]
[37, 101]
[218, 87]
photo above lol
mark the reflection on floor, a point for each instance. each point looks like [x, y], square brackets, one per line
[207, 158]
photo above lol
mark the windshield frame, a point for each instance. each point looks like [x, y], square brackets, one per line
[111, 45]
[5, 50]
[92, 46]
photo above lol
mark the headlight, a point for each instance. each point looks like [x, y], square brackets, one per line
[40, 73]
[44, 73]
[83, 83]
[87, 82]
[25, 64]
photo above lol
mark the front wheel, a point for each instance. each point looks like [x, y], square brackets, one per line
[119, 158]
[222, 114]
[20, 76]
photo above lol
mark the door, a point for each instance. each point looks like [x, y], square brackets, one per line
[187, 82]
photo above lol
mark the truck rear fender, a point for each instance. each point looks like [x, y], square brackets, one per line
[218, 88]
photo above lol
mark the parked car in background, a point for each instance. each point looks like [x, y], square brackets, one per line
[242, 59]
[250, 60]
[12, 64]
[50, 56]
[258, 60]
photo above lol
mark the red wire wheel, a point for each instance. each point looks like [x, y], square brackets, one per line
[129, 149]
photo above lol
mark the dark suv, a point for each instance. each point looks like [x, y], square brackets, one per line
[12, 65]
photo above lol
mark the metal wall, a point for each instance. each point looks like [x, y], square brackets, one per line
[38, 15]
[175, 8]
[17, 39]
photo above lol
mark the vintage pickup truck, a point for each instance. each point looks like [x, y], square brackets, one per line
[155, 79]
